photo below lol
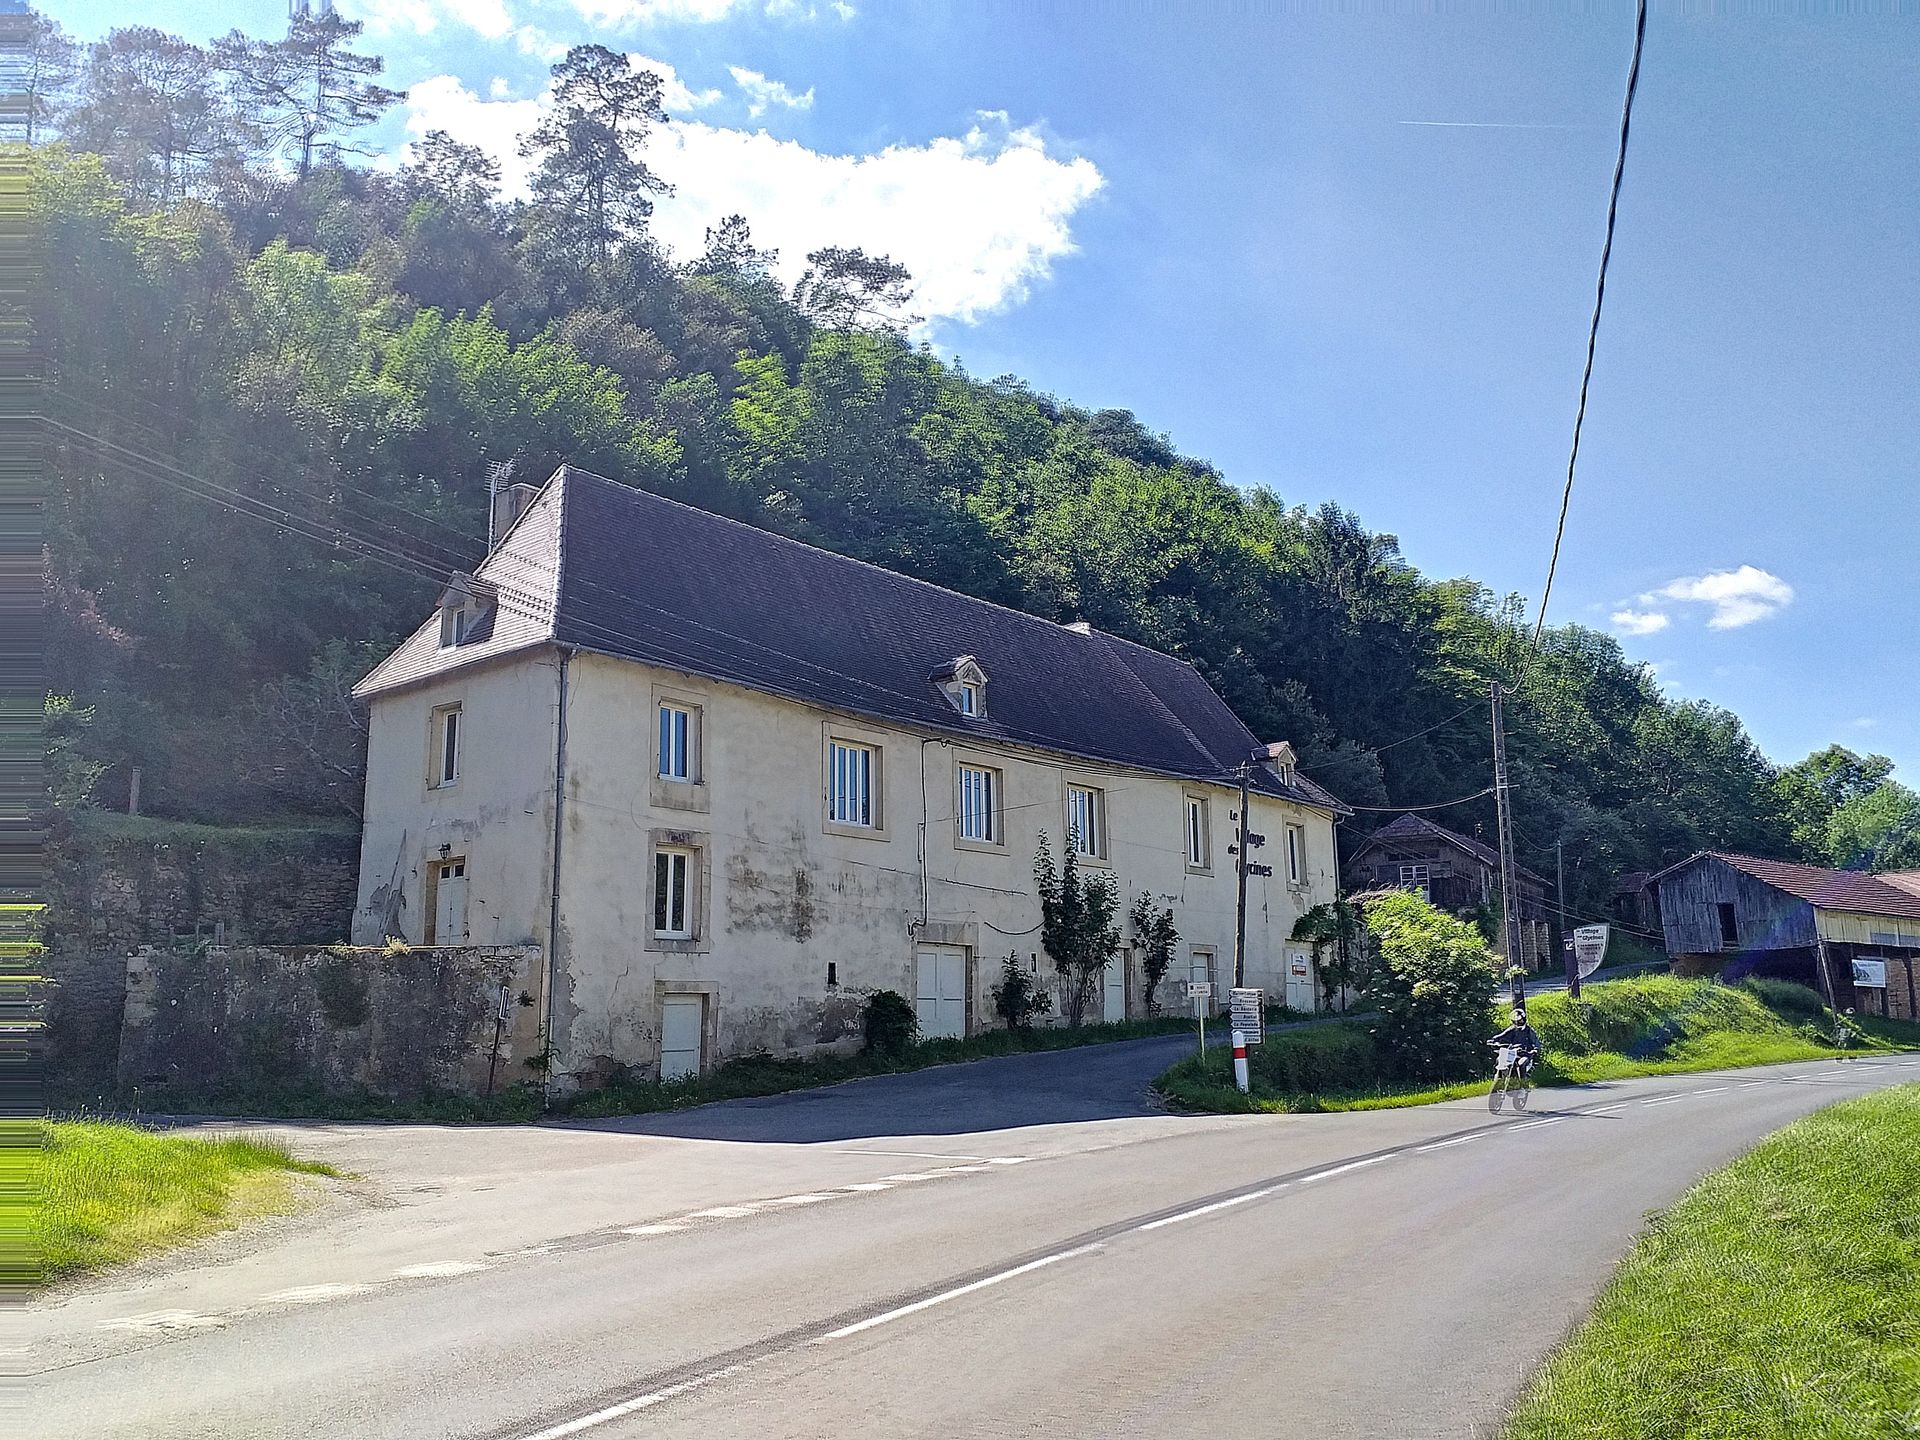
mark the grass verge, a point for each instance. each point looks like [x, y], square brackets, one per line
[746, 1077]
[755, 1075]
[1640, 1025]
[107, 1193]
[1779, 1300]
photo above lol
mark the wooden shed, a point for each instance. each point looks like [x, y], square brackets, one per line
[1854, 936]
[1456, 872]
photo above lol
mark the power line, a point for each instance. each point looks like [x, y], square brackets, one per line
[1593, 327]
[1436, 805]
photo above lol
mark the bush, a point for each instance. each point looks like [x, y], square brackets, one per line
[1785, 997]
[1325, 1060]
[1433, 985]
[891, 1024]
[1018, 997]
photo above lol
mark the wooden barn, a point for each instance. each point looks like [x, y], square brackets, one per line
[1458, 873]
[1854, 936]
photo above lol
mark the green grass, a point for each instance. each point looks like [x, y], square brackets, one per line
[90, 1194]
[1780, 1300]
[1639, 1025]
[747, 1077]
[755, 1075]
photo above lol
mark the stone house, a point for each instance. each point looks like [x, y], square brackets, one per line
[733, 784]
[1456, 872]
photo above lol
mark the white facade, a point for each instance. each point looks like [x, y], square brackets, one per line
[809, 858]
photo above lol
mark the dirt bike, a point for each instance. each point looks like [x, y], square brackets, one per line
[1510, 1079]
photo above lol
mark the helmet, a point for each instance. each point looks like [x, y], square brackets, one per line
[1519, 1014]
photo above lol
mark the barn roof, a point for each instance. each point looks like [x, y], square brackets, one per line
[601, 566]
[1854, 890]
[1418, 827]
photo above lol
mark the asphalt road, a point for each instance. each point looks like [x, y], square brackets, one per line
[1396, 1274]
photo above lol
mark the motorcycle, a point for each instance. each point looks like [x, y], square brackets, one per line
[1511, 1080]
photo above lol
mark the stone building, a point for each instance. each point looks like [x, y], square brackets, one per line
[733, 784]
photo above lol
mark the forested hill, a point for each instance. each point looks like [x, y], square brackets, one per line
[276, 379]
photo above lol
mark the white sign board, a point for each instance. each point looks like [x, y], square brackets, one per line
[1590, 947]
[1249, 1014]
[1300, 964]
[1199, 990]
[1868, 974]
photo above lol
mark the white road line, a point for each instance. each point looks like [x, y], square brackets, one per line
[313, 1294]
[1204, 1210]
[1342, 1169]
[165, 1320]
[1009, 1159]
[628, 1407]
[868, 1187]
[1664, 1100]
[1713, 1090]
[1458, 1140]
[913, 1175]
[808, 1199]
[916, 1154]
[661, 1229]
[927, 1304]
[1538, 1124]
[1608, 1109]
[723, 1212]
[440, 1269]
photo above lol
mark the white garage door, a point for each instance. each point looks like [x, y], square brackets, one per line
[682, 1025]
[940, 991]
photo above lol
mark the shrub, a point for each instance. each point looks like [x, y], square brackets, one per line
[890, 1023]
[1019, 997]
[1433, 985]
[1785, 997]
[1326, 1060]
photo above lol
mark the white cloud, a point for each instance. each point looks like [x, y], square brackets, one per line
[706, 12]
[488, 18]
[762, 92]
[1640, 622]
[1865, 722]
[978, 218]
[1735, 597]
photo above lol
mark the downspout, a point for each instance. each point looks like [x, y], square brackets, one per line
[553, 900]
[926, 832]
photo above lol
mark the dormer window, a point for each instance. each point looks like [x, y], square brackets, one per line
[964, 684]
[466, 612]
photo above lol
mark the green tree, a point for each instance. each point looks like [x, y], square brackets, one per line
[1076, 925]
[1433, 983]
[1876, 830]
[150, 105]
[306, 94]
[591, 187]
[1155, 935]
[1811, 791]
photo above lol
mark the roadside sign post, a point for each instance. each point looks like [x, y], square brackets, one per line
[1248, 1010]
[1590, 948]
[1200, 991]
[1240, 1062]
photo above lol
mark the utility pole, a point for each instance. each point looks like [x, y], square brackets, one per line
[1560, 899]
[1509, 930]
[1240, 886]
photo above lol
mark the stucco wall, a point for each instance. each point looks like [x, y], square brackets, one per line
[781, 893]
[498, 815]
[339, 1019]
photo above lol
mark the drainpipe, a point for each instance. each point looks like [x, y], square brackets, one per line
[553, 902]
[926, 831]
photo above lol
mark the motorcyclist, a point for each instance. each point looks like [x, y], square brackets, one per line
[1523, 1037]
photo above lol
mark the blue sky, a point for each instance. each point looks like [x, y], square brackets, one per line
[1226, 218]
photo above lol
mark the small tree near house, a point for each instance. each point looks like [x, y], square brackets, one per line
[1154, 933]
[1433, 982]
[1076, 925]
[1019, 996]
[1339, 941]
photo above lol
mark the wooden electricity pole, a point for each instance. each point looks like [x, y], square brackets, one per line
[1509, 927]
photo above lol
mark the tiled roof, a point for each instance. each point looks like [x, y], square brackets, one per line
[1418, 827]
[653, 580]
[1907, 880]
[1828, 889]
